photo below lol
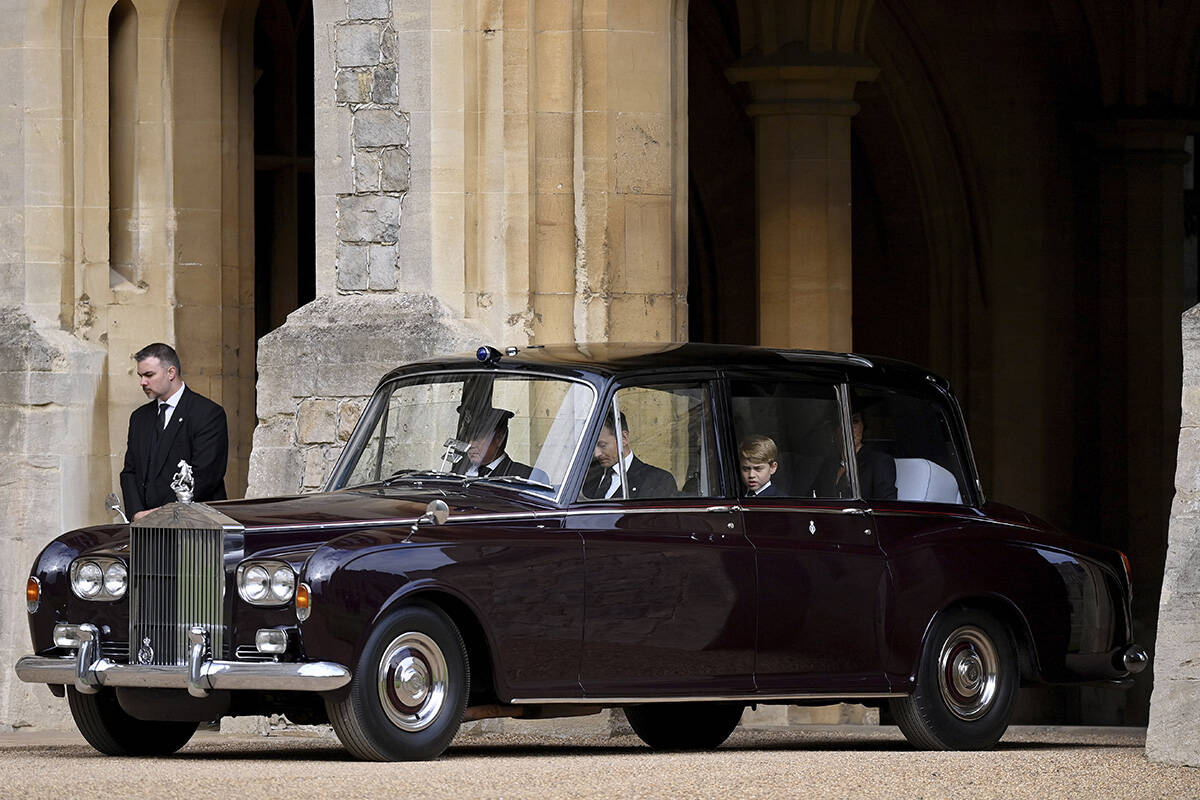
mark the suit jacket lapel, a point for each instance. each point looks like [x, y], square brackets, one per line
[167, 438]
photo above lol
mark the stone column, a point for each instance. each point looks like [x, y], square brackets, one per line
[802, 117]
[1175, 705]
[380, 300]
[1138, 287]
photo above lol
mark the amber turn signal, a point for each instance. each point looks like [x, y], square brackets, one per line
[33, 594]
[303, 600]
[1128, 568]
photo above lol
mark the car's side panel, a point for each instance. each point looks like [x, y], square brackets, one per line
[821, 581]
[1068, 604]
[670, 602]
[523, 580]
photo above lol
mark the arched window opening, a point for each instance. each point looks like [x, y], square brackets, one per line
[122, 144]
[722, 240]
[285, 252]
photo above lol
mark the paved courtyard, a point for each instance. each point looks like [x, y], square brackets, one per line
[811, 762]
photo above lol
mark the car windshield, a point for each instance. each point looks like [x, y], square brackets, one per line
[514, 430]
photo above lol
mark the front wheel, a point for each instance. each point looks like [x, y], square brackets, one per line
[110, 730]
[966, 685]
[409, 691]
[684, 726]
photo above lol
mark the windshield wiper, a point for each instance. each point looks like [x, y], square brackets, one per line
[422, 474]
[517, 479]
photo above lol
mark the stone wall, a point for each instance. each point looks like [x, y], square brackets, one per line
[52, 431]
[1174, 733]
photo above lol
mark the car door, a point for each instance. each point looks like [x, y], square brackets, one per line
[820, 569]
[669, 598]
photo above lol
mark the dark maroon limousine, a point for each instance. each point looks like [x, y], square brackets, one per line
[676, 530]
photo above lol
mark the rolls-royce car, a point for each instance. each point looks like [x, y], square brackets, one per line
[676, 530]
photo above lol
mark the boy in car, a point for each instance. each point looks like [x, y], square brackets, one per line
[758, 457]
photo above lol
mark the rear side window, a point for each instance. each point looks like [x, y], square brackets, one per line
[911, 436]
[800, 423]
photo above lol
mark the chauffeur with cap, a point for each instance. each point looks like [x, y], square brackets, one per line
[487, 436]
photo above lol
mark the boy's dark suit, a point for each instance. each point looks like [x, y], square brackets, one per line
[771, 490]
[196, 433]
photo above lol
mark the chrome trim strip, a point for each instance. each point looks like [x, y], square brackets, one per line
[395, 522]
[729, 698]
[658, 509]
[313, 676]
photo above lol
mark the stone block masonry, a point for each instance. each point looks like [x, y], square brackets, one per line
[365, 83]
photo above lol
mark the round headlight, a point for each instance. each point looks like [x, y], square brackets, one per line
[283, 583]
[116, 578]
[88, 579]
[256, 583]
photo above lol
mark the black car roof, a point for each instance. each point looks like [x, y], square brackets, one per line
[615, 358]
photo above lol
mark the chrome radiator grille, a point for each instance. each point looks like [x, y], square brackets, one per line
[176, 581]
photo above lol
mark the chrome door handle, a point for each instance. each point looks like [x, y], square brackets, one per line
[859, 511]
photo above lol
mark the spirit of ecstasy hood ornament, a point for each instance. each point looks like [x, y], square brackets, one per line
[183, 482]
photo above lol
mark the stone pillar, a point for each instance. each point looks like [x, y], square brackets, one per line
[1139, 294]
[54, 470]
[1174, 733]
[380, 300]
[801, 115]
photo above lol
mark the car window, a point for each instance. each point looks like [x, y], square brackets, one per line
[801, 421]
[906, 447]
[512, 429]
[664, 435]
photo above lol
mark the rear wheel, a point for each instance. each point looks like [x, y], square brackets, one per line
[684, 726]
[409, 690]
[110, 730]
[966, 685]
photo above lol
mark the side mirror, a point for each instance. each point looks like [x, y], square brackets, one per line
[436, 513]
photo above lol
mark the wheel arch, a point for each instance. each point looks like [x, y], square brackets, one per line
[466, 619]
[1007, 614]
[464, 616]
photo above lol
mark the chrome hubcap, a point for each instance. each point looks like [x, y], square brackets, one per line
[412, 681]
[968, 672]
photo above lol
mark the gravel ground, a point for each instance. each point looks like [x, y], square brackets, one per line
[813, 762]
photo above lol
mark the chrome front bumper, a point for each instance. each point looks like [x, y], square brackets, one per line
[88, 673]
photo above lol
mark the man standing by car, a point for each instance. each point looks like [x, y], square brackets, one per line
[176, 424]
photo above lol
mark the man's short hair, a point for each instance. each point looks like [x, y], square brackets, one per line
[608, 424]
[163, 352]
[758, 449]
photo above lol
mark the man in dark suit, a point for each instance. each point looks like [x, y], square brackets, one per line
[604, 478]
[487, 438]
[176, 424]
[876, 469]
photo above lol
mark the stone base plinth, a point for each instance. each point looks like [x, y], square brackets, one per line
[316, 372]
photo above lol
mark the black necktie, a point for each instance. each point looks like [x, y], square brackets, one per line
[162, 417]
[484, 472]
[607, 482]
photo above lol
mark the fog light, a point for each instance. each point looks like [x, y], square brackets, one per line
[303, 601]
[67, 637]
[271, 640]
[33, 594]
